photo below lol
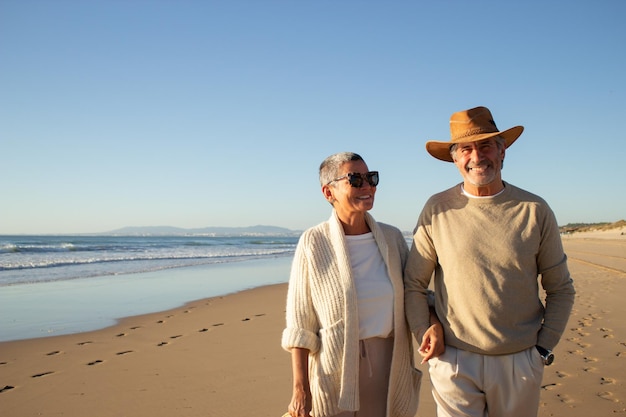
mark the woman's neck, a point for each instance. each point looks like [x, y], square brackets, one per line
[355, 225]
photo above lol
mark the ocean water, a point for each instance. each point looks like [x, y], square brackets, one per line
[52, 285]
[33, 259]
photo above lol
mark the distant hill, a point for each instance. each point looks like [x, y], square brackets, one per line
[262, 230]
[587, 227]
[259, 230]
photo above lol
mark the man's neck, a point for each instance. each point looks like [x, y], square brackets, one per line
[484, 190]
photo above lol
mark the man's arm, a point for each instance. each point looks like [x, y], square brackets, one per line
[560, 294]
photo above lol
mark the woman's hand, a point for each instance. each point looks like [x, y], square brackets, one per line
[300, 405]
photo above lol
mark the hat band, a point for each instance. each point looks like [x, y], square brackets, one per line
[474, 132]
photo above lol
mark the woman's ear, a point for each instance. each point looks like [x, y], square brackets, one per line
[327, 190]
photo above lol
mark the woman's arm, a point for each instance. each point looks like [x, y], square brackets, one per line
[300, 405]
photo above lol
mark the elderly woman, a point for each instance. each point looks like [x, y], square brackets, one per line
[350, 345]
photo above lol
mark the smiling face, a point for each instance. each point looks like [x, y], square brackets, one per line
[348, 201]
[480, 164]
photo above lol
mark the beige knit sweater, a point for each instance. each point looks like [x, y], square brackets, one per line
[322, 317]
[487, 255]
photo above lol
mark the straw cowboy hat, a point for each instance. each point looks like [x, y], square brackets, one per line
[471, 126]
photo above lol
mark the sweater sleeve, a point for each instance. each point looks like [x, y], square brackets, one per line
[557, 283]
[302, 327]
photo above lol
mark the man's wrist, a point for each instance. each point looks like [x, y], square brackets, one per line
[546, 355]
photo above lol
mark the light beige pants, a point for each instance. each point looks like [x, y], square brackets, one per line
[467, 384]
[374, 368]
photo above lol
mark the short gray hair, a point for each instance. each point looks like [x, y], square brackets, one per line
[329, 169]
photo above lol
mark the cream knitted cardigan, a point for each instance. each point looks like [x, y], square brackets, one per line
[322, 317]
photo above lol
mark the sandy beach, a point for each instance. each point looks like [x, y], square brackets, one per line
[222, 357]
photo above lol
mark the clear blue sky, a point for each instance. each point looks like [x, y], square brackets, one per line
[218, 113]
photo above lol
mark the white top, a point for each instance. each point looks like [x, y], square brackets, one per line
[373, 287]
[479, 196]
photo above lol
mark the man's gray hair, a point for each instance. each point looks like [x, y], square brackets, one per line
[329, 169]
[499, 142]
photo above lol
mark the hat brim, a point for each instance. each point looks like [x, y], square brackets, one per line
[441, 150]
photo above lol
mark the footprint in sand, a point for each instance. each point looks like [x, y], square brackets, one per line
[84, 343]
[6, 388]
[135, 328]
[590, 359]
[564, 398]
[55, 352]
[203, 330]
[120, 335]
[124, 352]
[3, 363]
[162, 344]
[604, 381]
[176, 337]
[42, 374]
[256, 315]
[549, 387]
[561, 374]
[579, 331]
[97, 361]
[218, 324]
[590, 369]
[160, 321]
[607, 395]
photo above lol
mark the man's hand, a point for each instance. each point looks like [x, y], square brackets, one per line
[432, 342]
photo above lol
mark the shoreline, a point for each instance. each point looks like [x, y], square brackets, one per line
[222, 356]
[31, 311]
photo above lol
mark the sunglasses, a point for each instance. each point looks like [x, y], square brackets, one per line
[356, 179]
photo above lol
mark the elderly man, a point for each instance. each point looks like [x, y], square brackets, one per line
[488, 243]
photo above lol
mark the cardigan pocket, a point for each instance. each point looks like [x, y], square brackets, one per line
[325, 369]
[331, 348]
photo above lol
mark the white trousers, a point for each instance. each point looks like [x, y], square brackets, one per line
[374, 368]
[467, 384]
